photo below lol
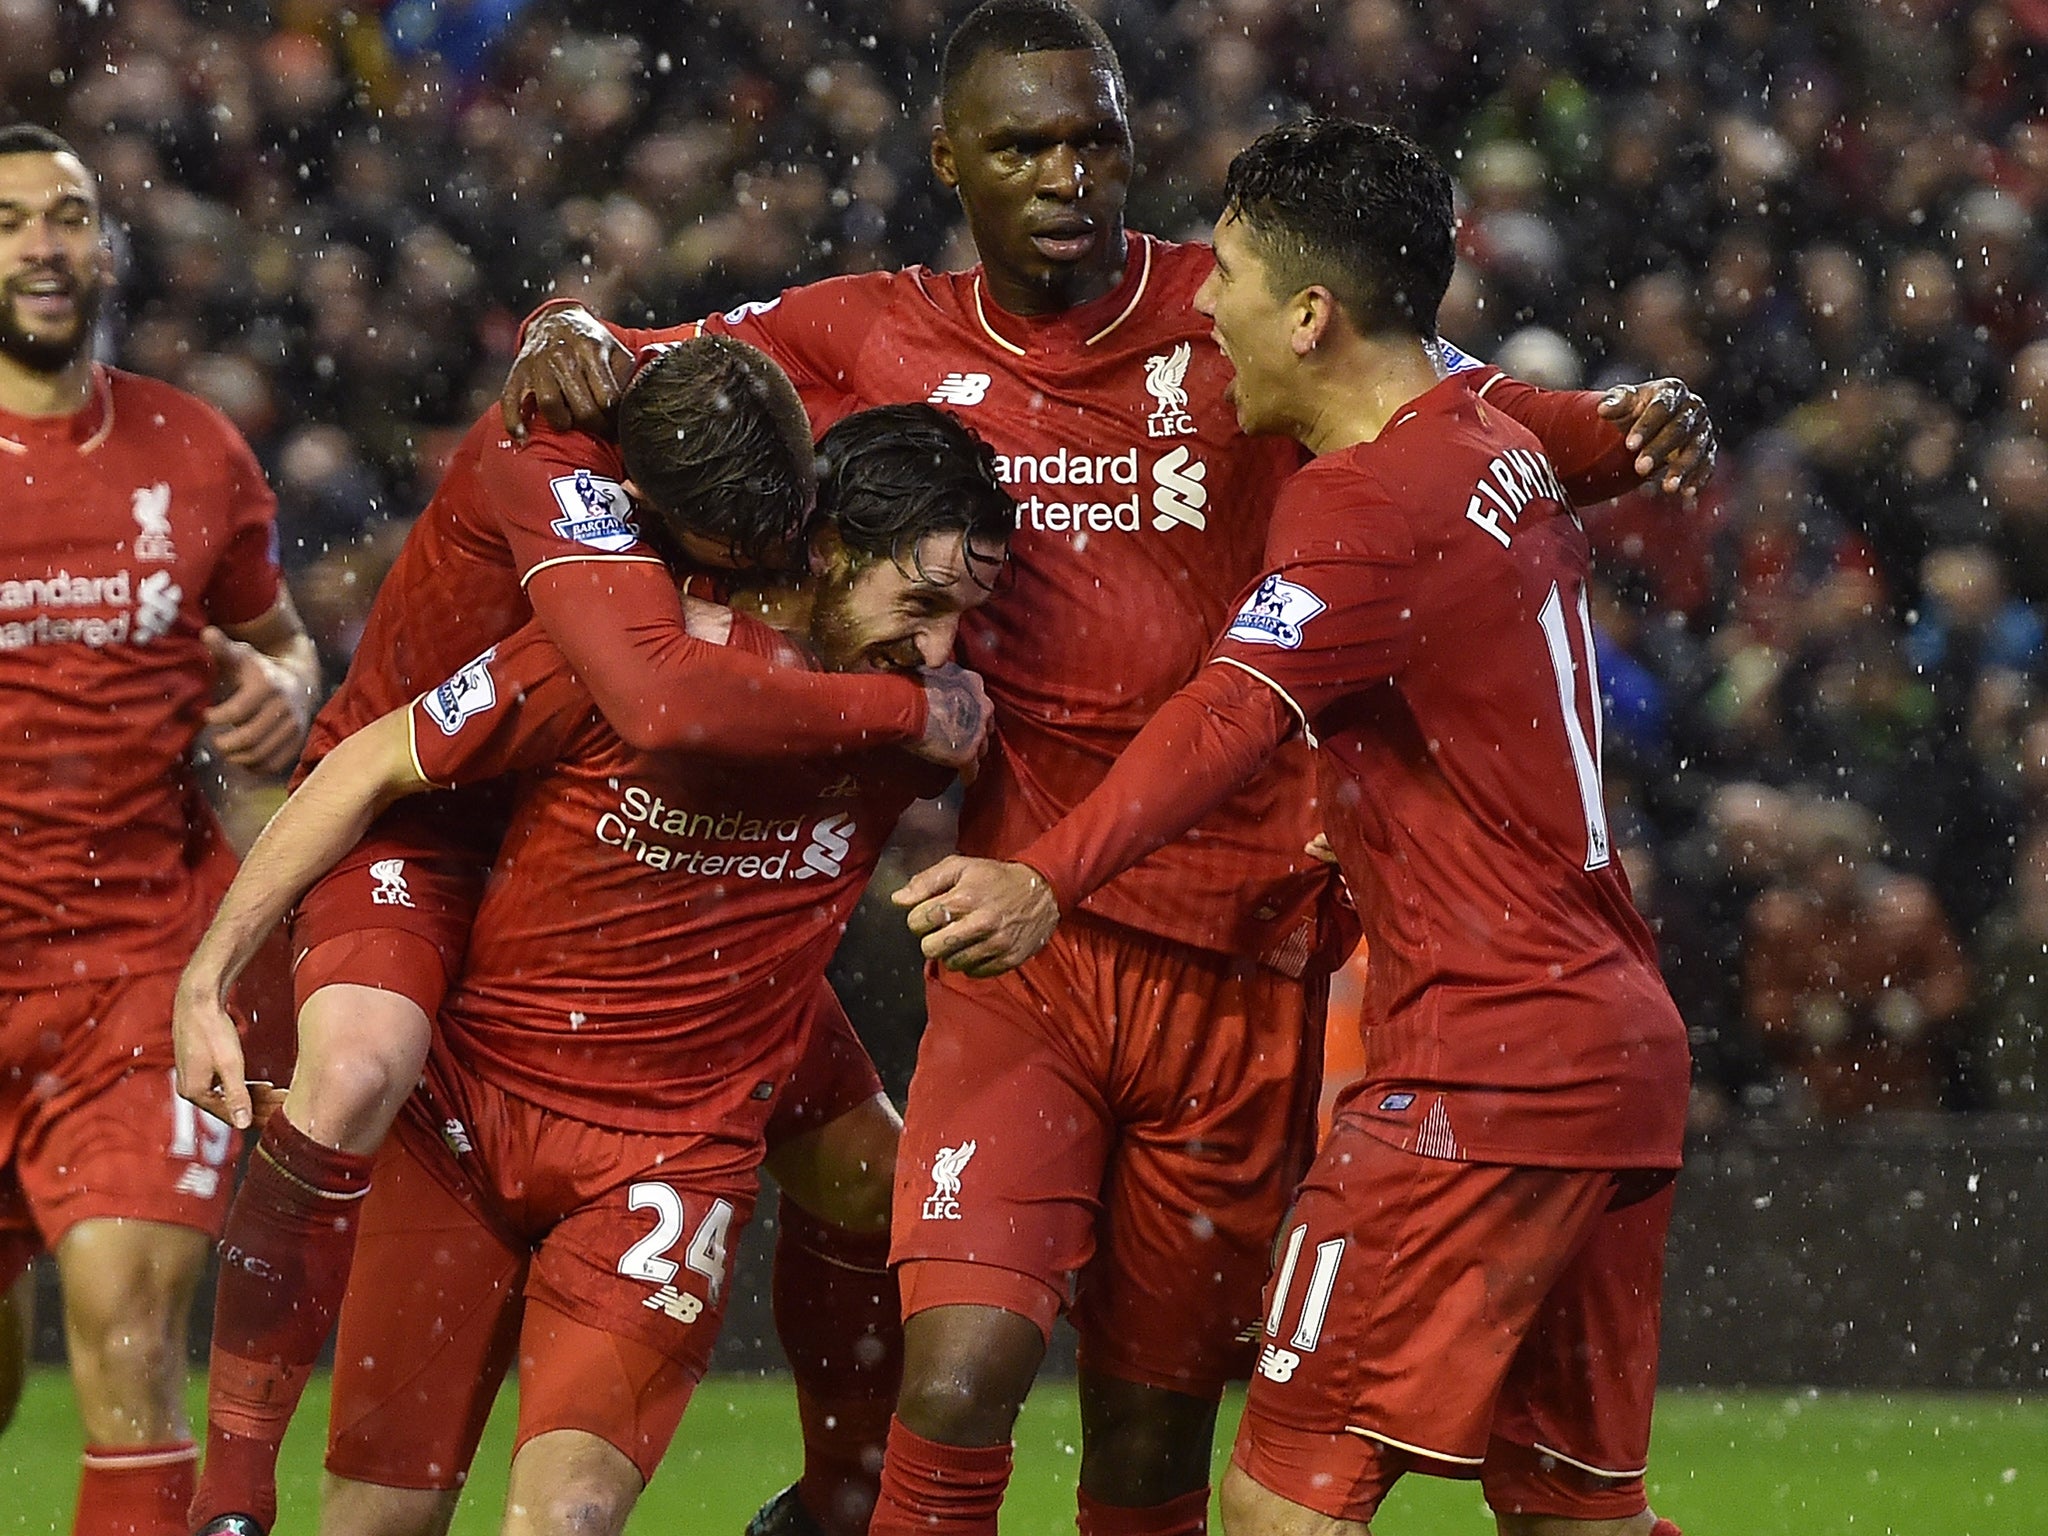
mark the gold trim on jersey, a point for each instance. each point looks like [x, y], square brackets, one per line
[1137, 294]
[585, 560]
[1307, 732]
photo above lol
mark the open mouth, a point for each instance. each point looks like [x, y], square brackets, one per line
[50, 297]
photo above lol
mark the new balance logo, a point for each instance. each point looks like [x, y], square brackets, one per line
[1277, 1364]
[456, 1135]
[391, 890]
[959, 389]
[680, 1305]
[201, 1183]
[943, 1203]
[1179, 496]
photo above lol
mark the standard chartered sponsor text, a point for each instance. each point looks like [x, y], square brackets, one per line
[1078, 511]
[643, 821]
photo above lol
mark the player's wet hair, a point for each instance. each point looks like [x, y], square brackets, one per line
[716, 442]
[891, 477]
[34, 139]
[1359, 208]
[1011, 27]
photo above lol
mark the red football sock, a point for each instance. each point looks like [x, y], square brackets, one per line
[135, 1490]
[290, 1236]
[1665, 1528]
[1187, 1515]
[929, 1489]
[840, 1318]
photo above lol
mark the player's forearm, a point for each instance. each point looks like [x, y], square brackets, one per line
[663, 690]
[1589, 452]
[319, 823]
[631, 337]
[1200, 748]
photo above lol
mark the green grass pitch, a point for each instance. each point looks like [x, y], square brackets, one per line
[1724, 1464]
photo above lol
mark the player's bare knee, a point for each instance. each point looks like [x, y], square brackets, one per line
[349, 1508]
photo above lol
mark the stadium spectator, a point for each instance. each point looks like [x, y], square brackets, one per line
[1852, 976]
[142, 607]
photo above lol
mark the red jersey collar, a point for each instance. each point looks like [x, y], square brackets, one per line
[84, 429]
[1083, 325]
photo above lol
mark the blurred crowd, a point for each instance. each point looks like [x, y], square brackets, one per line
[1828, 728]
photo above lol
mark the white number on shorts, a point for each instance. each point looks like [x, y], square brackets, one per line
[647, 1259]
[1570, 671]
[189, 1138]
[1315, 1306]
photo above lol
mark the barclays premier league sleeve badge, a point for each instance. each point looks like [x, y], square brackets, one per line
[468, 692]
[596, 512]
[1275, 613]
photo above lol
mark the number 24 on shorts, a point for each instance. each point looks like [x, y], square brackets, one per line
[648, 1259]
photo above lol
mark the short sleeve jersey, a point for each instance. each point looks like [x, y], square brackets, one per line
[500, 513]
[1425, 615]
[131, 525]
[656, 925]
[1142, 512]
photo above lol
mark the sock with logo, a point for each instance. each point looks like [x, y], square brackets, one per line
[1187, 1515]
[285, 1256]
[929, 1489]
[840, 1319]
[135, 1490]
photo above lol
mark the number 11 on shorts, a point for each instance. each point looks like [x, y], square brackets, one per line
[1275, 1362]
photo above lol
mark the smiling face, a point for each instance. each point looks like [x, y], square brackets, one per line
[883, 615]
[53, 263]
[1254, 327]
[1039, 149]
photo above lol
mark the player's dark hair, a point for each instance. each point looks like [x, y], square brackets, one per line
[716, 442]
[891, 477]
[1011, 27]
[34, 139]
[1360, 208]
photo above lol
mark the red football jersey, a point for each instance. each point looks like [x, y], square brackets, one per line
[657, 924]
[1142, 514]
[503, 514]
[1425, 616]
[131, 525]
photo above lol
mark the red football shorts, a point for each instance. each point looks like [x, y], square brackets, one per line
[496, 1230]
[1117, 1124]
[833, 1076]
[395, 913]
[90, 1126]
[1461, 1319]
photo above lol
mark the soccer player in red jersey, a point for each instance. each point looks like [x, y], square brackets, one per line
[730, 465]
[1469, 1282]
[138, 583]
[642, 974]
[1118, 1134]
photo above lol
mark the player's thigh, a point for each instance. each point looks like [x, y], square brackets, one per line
[430, 1322]
[1572, 1431]
[106, 1136]
[628, 1287]
[568, 1483]
[1250, 1509]
[1005, 1137]
[1403, 1288]
[1215, 1121]
[832, 1139]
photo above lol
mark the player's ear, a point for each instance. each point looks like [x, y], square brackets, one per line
[828, 551]
[1315, 311]
[944, 165]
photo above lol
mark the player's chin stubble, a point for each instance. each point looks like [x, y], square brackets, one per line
[50, 351]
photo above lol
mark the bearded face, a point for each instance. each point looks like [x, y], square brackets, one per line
[53, 265]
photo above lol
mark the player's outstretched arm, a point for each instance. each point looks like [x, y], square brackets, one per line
[324, 818]
[570, 371]
[1604, 446]
[267, 677]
